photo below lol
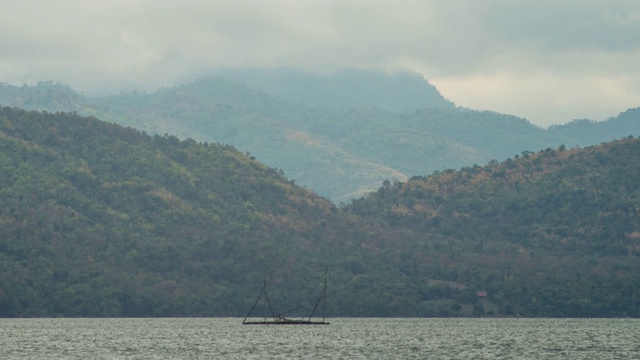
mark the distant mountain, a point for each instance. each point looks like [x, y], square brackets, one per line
[340, 136]
[100, 220]
[350, 89]
[588, 132]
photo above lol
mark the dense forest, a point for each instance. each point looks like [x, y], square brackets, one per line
[340, 136]
[552, 233]
[100, 220]
[97, 219]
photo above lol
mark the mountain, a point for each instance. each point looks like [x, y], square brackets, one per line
[350, 89]
[339, 135]
[101, 220]
[588, 132]
[550, 233]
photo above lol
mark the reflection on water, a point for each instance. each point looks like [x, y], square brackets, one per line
[345, 338]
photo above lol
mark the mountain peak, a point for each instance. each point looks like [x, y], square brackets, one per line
[349, 88]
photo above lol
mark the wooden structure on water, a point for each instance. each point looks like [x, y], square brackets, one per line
[281, 319]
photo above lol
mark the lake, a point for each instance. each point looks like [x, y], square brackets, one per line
[196, 338]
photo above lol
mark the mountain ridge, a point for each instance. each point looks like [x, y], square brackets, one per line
[339, 152]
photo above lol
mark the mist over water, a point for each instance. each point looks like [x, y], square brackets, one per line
[346, 338]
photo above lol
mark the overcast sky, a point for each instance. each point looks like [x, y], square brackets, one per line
[547, 61]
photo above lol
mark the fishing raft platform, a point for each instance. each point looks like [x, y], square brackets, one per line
[281, 319]
[286, 322]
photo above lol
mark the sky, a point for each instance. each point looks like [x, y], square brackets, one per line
[547, 61]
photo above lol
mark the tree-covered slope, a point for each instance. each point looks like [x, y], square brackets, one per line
[551, 233]
[100, 220]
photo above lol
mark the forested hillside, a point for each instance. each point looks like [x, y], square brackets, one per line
[551, 233]
[101, 220]
[340, 136]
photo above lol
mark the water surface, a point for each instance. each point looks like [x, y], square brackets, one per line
[188, 338]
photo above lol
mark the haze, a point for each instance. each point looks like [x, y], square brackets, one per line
[547, 61]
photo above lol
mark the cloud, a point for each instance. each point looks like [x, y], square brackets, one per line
[529, 94]
[609, 26]
[529, 57]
